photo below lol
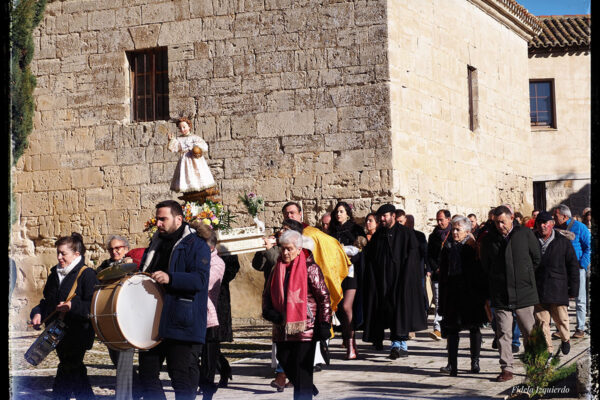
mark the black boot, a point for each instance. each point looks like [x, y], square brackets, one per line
[453, 354]
[224, 370]
[475, 339]
[208, 390]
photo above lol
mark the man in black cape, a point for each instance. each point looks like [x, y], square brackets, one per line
[393, 285]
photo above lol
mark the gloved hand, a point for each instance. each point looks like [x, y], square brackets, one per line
[273, 316]
[322, 331]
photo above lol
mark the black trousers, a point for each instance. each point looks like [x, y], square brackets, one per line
[208, 367]
[182, 365]
[296, 359]
[475, 346]
[71, 374]
[223, 365]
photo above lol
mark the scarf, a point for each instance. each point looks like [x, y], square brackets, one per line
[164, 249]
[545, 243]
[62, 272]
[291, 301]
[443, 234]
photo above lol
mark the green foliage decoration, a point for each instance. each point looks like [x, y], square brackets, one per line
[26, 16]
[540, 367]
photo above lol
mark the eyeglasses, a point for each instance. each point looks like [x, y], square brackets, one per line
[116, 248]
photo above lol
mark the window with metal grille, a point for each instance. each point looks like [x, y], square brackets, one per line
[541, 103]
[149, 77]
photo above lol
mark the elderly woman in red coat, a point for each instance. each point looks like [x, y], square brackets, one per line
[296, 301]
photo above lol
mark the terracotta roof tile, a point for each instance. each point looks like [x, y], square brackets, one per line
[522, 13]
[562, 32]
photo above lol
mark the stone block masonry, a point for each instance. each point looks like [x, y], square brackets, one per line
[294, 98]
[271, 86]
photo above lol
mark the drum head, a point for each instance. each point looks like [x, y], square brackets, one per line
[139, 306]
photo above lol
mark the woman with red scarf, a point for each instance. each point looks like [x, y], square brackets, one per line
[296, 301]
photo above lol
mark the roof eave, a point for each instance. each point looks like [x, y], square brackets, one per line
[510, 14]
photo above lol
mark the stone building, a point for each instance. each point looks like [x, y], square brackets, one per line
[560, 86]
[423, 103]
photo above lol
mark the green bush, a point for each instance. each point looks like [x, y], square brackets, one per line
[539, 368]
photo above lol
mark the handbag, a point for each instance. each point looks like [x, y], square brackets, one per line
[429, 291]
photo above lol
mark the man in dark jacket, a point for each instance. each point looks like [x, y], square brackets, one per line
[510, 255]
[557, 280]
[436, 241]
[180, 261]
[393, 285]
[581, 241]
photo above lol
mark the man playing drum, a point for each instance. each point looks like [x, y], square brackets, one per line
[180, 262]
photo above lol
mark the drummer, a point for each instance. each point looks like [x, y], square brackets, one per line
[71, 374]
[180, 261]
[117, 247]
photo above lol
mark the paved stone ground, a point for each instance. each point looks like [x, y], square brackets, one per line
[372, 376]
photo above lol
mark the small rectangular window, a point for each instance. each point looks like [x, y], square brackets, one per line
[149, 73]
[473, 98]
[541, 103]
[539, 195]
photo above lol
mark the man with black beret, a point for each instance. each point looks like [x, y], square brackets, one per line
[393, 284]
[557, 280]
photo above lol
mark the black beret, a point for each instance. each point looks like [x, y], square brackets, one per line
[386, 208]
[543, 216]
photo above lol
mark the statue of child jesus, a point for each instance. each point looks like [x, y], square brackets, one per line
[191, 173]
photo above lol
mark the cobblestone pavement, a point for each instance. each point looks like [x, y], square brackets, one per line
[371, 376]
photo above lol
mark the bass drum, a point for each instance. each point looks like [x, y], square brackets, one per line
[126, 313]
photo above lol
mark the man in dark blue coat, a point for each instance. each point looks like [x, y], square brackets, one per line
[180, 261]
[557, 280]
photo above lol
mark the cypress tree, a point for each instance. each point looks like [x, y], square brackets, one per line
[26, 16]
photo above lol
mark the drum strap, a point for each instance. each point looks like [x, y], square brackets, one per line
[69, 297]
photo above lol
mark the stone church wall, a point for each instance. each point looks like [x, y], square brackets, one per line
[312, 101]
[291, 97]
[438, 161]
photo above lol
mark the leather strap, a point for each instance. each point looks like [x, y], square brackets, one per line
[69, 297]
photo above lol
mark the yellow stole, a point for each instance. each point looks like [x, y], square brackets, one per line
[330, 256]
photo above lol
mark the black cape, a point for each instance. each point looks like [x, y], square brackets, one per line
[393, 295]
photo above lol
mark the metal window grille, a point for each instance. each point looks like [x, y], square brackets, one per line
[149, 73]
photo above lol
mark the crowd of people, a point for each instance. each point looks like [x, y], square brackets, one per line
[372, 275]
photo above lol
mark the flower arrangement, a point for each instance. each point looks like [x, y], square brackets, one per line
[150, 227]
[253, 203]
[210, 213]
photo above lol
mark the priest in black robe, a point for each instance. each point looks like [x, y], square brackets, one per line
[394, 294]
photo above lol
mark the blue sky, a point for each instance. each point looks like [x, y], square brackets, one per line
[556, 7]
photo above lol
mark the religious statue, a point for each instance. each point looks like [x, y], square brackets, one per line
[192, 176]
